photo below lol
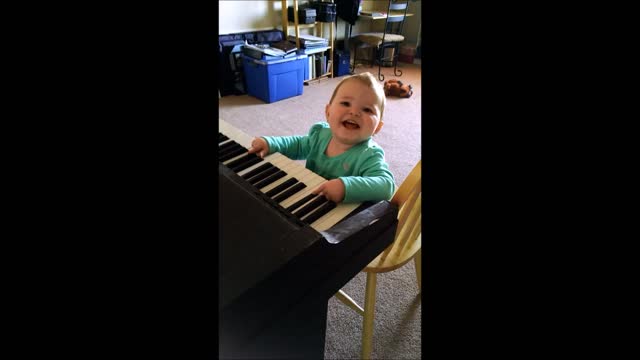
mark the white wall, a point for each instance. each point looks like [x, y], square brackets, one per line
[241, 16]
[412, 23]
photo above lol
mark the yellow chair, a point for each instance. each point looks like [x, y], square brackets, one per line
[406, 246]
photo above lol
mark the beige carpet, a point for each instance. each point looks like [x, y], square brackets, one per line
[397, 332]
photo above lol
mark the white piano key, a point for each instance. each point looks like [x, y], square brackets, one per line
[281, 163]
[225, 142]
[235, 134]
[267, 159]
[305, 177]
[293, 170]
[277, 161]
[334, 216]
[312, 182]
[234, 158]
[228, 142]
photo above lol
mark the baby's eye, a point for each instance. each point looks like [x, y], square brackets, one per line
[344, 103]
[368, 110]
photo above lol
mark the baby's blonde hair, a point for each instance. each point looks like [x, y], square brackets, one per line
[369, 80]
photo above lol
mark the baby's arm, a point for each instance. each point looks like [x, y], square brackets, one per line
[373, 182]
[360, 188]
[368, 188]
[295, 147]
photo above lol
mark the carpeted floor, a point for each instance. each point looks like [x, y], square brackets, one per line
[397, 332]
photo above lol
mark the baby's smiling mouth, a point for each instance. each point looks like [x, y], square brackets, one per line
[352, 125]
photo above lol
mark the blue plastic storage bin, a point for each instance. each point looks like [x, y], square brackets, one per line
[342, 59]
[273, 80]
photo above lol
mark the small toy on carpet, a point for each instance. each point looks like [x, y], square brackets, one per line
[396, 88]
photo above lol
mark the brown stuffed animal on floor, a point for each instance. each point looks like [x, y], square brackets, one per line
[396, 88]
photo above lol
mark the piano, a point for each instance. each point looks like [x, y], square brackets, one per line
[284, 252]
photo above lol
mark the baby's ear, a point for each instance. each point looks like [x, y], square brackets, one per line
[379, 127]
[326, 111]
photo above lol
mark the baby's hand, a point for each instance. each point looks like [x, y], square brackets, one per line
[332, 190]
[260, 146]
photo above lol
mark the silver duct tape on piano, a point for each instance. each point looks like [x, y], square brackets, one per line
[357, 222]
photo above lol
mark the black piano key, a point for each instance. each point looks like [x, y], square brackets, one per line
[257, 170]
[241, 160]
[232, 154]
[301, 202]
[263, 175]
[278, 189]
[230, 149]
[222, 138]
[271, 179]
[247, 164]
[314, 204]
[226, 145]
[320, 212]
[290, 192]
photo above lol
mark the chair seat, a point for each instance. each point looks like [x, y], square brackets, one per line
[394, 257]
[375, 38]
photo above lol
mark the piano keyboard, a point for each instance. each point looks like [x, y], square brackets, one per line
[285, 181]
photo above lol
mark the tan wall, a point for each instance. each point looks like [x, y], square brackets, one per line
[242, 16]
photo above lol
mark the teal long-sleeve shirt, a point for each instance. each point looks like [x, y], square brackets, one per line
[362, 168]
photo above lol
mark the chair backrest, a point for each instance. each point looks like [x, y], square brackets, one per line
[407, 240]
[408, 198]
[400, 13]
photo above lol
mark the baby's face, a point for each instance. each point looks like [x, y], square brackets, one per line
[354, 114]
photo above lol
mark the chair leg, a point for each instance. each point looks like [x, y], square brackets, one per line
[396, 72]
[379, 56]
[355, 56]
[373, 56]
[418, 263]
[342, 296]
[369, 310]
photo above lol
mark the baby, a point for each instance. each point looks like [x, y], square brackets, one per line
[342, 149]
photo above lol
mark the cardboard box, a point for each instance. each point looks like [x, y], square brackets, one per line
[406, 58]
[273, 80]
[408, 50]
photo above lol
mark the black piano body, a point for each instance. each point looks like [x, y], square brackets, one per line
[277, 274]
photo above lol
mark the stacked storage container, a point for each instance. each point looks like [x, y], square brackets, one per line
[325, 12]
[273, 80]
